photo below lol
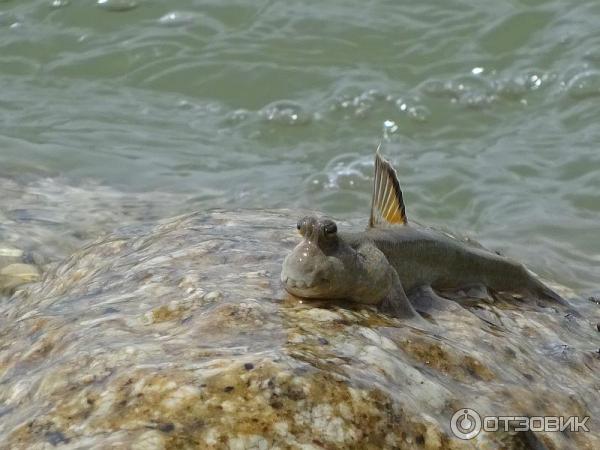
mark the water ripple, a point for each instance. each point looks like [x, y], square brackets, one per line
[488, 110]
[118, 5]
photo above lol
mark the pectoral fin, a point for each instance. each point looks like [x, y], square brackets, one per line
[387, 205]
[396, 303]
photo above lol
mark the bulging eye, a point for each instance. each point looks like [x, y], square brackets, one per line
[330, 228]
[301, 226]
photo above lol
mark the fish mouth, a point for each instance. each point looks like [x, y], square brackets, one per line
[298, 284]
[303, 287]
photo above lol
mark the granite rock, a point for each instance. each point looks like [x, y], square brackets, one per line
[178, 335]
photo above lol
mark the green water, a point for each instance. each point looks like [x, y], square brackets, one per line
[490, 110]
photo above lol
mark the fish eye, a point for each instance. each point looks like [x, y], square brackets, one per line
[330, 228]
[301, 226]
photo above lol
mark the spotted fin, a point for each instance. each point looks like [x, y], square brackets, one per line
[387, 205]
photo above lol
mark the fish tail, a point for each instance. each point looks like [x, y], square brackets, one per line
[544, 292]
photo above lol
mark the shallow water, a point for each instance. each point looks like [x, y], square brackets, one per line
[489, 110]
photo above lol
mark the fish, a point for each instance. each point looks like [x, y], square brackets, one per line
[393, 261]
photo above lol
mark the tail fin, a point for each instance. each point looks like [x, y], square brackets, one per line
[544, 292]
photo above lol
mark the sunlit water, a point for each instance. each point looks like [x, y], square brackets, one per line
[489, 110]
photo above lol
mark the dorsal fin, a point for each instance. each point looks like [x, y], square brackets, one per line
[387, 205]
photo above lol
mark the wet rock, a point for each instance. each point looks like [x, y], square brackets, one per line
[17, 274]
[178, 335]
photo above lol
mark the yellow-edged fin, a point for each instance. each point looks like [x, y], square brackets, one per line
[387, 205]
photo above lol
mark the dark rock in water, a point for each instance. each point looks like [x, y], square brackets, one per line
[178, 335]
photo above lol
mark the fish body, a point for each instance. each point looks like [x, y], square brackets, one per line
[429, 257]
[391, 258]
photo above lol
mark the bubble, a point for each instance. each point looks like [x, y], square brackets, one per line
[419, 113]
[59, 3]
[118, 5]
[347, 171]
[516, 87]
[401, 103]
[476, 100]
[360, 105]
[534, 81]
[413, 108]
[177, 18]
[185, 104]
[317, 182]
[285, 113]
[389, 126]
[349, 180]
[237, 116]
[434, 88]
[584, 85]
[511, 88]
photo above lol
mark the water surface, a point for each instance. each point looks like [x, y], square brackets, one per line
[489, 110]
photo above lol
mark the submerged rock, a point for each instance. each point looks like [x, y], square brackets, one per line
[42, 220]
[178, 335]
[13, 271]
[16, 274]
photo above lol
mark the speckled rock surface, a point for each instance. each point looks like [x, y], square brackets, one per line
[178, 335]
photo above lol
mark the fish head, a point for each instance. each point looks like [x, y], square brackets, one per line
[321, 265]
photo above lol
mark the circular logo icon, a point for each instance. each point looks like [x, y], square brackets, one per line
[465, 424]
